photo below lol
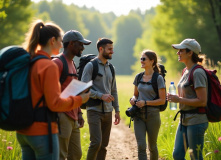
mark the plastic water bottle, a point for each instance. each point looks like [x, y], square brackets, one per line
[172, 90]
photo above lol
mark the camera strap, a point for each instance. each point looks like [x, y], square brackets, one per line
[130, 122]
[145, 112]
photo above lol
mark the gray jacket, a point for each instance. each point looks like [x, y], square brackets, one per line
[101, 85]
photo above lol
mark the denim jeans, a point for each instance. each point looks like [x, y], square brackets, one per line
[147, 126]
[191, 137]
[37, 147]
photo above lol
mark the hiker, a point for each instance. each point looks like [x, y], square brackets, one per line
[45, 39]
[71, 121]
[192, 126]
[105, 99]
[148, 119]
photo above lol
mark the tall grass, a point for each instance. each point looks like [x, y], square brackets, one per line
[9, 147]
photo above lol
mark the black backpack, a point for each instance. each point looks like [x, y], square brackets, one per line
[91, 58]
[82, 63]
[64, 73]
[154, 84]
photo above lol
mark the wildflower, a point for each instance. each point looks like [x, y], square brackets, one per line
[219, 139]
[4, 140]
[190, 151]
[9, 148]
[216, 151]
[191, 154]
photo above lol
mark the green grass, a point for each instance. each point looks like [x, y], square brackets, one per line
[8, 139]
[165, 139]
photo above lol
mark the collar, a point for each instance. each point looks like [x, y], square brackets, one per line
[99, 61]
[41, 52]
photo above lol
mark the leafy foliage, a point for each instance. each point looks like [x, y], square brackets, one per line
[178, 20]
[14, 20]
[124, 40]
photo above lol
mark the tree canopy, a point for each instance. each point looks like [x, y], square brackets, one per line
[15, 16]
[156, 29]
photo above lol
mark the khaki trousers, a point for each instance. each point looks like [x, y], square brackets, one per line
[99, 127]
[69, 139]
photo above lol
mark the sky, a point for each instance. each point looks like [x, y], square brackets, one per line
[119, 7]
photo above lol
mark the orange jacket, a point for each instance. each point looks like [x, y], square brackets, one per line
[45, 81]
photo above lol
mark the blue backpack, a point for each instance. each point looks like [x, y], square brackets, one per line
[16, 110]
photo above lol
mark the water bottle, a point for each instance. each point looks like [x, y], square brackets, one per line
[172, 90]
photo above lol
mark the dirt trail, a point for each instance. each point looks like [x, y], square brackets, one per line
[122, 144]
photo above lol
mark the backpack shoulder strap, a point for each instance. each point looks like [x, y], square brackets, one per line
[139, 77]
[184, 70]
[112, 71]
[154, 82]
[95, 68]
[190, 78]
[64, 72]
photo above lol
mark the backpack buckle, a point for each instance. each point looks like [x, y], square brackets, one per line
[3, 77]
[2, 81]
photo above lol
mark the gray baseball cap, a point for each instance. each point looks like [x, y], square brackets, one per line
[74, 35]
[191, 44]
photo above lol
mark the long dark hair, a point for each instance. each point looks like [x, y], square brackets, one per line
[39, 34]
[152, 56]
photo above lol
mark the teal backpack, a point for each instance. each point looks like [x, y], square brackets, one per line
[16, 110]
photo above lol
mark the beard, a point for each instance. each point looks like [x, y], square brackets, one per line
[106, 55]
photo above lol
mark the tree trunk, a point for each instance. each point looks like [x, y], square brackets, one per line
[216, 15]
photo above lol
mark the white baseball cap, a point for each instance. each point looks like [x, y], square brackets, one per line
[190, 44]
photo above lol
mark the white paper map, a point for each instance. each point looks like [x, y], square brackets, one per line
[74, 88]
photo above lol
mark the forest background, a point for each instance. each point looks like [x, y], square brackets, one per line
[156, 29]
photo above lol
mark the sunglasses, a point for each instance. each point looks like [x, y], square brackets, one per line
[142, 58]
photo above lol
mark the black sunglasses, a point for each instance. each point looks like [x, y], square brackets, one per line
[142, 58]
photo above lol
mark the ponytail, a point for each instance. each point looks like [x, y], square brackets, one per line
[39, 34]
[156, 68]
[197, 59]
[33, 36]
